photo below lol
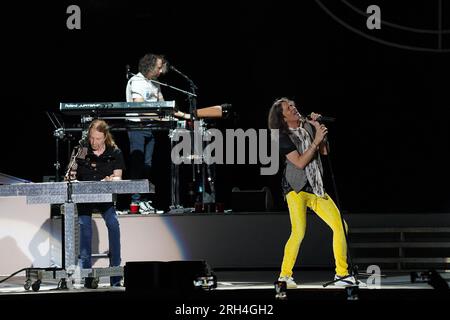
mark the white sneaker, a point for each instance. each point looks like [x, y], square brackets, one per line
[290, 283]
[146, 208]
[346, 281]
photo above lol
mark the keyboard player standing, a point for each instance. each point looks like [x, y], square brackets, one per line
[140, 88]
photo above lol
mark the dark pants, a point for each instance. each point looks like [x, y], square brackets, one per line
[142, 143]
[112, 223]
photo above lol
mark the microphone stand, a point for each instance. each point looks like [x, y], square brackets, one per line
[353, 269]
[59, 134]
[192, 96]
[193, 113]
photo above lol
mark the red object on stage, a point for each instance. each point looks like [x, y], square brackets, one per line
[134, 208]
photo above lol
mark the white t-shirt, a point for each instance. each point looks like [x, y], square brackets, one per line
[140, 87]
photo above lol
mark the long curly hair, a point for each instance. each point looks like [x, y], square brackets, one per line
[276, 117]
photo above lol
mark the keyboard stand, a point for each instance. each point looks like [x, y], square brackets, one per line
[69, 194]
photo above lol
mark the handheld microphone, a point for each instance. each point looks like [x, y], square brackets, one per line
[323, 119]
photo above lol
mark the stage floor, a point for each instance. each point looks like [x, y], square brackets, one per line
[239, 295]
[249, 286]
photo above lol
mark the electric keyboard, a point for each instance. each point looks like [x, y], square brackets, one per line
[81, 191]
[160, 108]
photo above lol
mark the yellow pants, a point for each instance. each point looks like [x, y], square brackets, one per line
[328, 212]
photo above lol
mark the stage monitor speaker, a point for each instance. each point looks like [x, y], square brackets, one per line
[167, 277]
[251, 200]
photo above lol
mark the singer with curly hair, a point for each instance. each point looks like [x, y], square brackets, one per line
[301, 143]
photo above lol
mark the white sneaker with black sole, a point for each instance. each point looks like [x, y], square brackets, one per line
[146, 208]
[290, 283]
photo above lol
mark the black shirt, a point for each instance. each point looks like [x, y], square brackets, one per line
[96, 168]
[286, 145]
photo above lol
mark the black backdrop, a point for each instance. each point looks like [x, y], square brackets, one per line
[390, 141]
